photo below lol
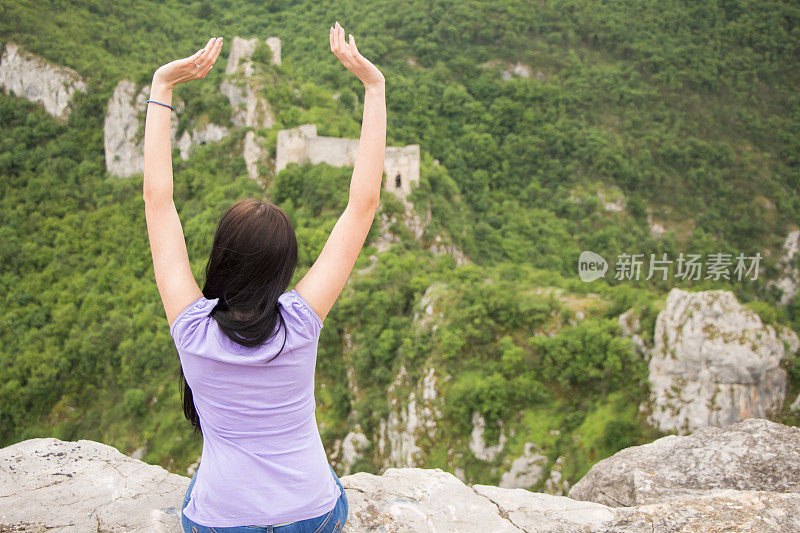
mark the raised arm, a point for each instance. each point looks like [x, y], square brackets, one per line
[323, 283]
[174, 278]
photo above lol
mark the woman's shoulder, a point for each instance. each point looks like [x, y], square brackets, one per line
[300, 311]
[196, 331]
[190, 318]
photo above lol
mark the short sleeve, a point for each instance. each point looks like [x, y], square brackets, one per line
[191, 319]
[300, 309]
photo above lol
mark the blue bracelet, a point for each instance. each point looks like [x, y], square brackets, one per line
[159, 103]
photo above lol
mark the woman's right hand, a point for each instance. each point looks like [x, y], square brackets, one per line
[352, 60]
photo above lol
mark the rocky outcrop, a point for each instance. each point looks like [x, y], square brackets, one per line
[124, 123]
[31, 77]
[240, 56]
[439, 247]
[210, 133]
[657, 229]
[122, 139]
[123, 131]
[350, 449]
[717, 510]
[555, 483]
[616, 204]
[526, 470]
[477, 444]
[416, 226]
[430, 314]
[714, 363]
[795, 406]
[512, 70]
[415, 499]
[742, 478]
[248, 109]
[241, 88]
[409, 420]
[85, 486]
[253, 153]
[631, 326]
[788, 281]
[753, 455]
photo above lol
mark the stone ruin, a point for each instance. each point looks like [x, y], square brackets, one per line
[302, 145]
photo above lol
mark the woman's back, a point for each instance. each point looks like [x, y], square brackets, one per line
[263, 461]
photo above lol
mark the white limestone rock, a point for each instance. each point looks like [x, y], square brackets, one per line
[33, 78]
[50, 484]
[385, 238]
[123, 131]
[713, 363]
[526, 470]
[753, 455]
[789, 280]
[122, 140]
[242, 50]
[253, 153]
[795, 407]
[352, 449]
[409, 421]
[616, 205]
[239, 56]
[534, 511]
[478, 445]
[249, 108]
[347, 350]
[192, 468]
[210, 133]
[657, 229]
[715, 510]
[631, 326]
[138, 453]
[274, 44]
[517, 69]
[429, 314]
[414, 499]
[555, 483]
[440, 248]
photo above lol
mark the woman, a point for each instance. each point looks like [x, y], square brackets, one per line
[247, 346]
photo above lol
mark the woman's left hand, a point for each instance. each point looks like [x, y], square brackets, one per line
[194, 67]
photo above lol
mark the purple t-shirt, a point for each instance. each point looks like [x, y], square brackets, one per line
[263, 462]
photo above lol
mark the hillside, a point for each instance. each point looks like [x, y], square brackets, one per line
[545, 129]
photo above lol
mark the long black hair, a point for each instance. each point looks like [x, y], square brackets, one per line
[252, 261]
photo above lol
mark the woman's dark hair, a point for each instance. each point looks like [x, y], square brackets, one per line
[252, 261]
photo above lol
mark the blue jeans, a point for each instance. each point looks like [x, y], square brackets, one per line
[331, 522]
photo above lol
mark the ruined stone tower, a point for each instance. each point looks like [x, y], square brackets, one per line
[302, 145]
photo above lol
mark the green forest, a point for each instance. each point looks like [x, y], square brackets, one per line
[686, 112]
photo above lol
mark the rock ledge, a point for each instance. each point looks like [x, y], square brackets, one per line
[739, 478]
